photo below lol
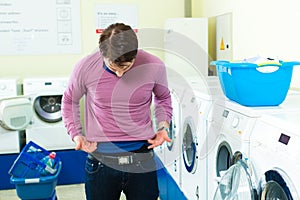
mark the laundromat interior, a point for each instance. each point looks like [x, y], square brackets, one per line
[233, 70]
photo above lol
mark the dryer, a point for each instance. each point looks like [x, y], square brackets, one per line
[196, 104]
[15, 115]
[47, 128]
[274, 150]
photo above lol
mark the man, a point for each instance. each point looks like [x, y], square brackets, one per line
[118, 84]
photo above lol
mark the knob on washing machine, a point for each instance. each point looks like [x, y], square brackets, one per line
[235, 121]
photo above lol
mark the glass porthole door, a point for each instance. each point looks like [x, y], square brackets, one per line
[236, 184]
[48, 108]
[189, 145]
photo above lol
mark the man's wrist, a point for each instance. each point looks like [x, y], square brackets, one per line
[164, 128]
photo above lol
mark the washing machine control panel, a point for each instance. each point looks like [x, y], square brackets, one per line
[230, 121]
[39, 85]
[236, 122]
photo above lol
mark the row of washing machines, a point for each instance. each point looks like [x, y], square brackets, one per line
[32, 105]
[30, 110]
[223, 150]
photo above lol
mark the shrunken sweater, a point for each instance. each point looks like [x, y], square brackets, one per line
[116, 108]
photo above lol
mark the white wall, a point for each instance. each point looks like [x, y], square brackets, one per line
[260, 27]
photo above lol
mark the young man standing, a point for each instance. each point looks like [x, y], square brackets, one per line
[118, 84]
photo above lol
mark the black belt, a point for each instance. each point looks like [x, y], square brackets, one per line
[122, 159]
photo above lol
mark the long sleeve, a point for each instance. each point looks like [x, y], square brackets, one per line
[162, 98]
[71, 101]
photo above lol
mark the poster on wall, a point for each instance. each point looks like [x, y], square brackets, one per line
[39, 27]
[107, 14]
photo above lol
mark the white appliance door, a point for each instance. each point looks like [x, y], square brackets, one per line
[15, 113]
[236, 184]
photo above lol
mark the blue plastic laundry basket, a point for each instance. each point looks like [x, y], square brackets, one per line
[37, 188]
[251, 84]
[27, 173]
[29, 162]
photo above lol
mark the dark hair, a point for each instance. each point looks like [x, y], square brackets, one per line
[118, 43]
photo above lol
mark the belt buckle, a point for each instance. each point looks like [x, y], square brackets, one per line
[124, 160]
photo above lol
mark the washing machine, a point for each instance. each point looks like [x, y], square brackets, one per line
[160, 150]
[234, 128]
[273, 171]
[274, 149]
[196, 103]
[170, 152]
[172, 149]
[227, 135]
[14, 116]
[47, 128]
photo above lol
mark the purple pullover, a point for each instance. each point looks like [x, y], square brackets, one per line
[116, 109]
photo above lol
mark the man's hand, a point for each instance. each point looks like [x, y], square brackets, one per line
[159, 138]
[84, 145]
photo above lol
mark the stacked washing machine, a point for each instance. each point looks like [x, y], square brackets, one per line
[15, 115]
[235, 131]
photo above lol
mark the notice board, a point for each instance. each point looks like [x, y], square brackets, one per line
[38, 27]
[106, 14]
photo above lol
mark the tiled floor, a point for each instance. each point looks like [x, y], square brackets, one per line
[63, 192]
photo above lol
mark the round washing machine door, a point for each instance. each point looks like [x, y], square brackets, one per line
[48, 108]
[236, 184]
[273, 190]
[189, 144]
[223, 158]
[276, 184]
[173, 133]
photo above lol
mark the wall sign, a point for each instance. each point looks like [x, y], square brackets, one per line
[37, 27]
[111, 13]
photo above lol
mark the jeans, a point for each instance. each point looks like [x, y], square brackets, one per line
[138, 181]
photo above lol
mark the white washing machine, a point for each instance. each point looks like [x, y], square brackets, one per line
[274, 150]
[228, 131]
[160, 150]
[172, 149]
[47, 128]
[170, 152]
[196, 104]
[239, 127]
[15, 114]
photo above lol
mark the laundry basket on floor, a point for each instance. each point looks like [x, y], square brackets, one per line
[27, 173]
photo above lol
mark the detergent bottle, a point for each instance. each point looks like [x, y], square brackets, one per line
[50, 163]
